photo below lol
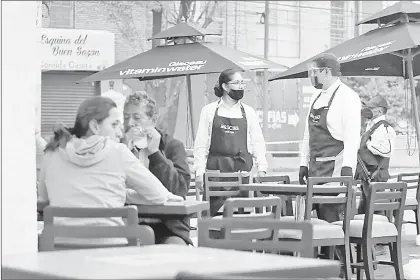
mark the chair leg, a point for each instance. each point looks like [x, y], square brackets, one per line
[417, 215]
[347, 259]
[331, 252]
[375, 266]
[359, 260]
[353, 270]
[397, 259]
[367, 259]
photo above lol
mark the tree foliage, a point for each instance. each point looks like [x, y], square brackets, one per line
[393, 89]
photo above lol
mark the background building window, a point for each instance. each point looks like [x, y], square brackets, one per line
[338, 24]
[61, 14]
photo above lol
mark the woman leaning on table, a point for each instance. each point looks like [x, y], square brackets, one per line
[229, 136]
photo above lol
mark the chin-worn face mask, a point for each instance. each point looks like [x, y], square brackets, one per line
[236, 94]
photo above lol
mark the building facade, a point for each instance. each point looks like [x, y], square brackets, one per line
[116, 30]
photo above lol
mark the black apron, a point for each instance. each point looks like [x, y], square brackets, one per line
[325, 151]
[228, 151]
[228, 145]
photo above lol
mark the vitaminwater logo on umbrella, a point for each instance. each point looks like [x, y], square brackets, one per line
[175, 66]
[371, 50]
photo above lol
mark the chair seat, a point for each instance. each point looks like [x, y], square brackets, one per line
[320, 231]
[411, 201]
[376, 217]
[379, 228]
[292, 219]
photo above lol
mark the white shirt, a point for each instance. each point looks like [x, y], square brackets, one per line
[343, 122]
[255, 138]
[382, 141]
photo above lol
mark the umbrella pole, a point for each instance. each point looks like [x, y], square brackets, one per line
[413, 97]
[190, 105]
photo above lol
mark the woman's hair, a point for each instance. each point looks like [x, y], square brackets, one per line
[94, 108]
[141, 97]
[225, 77]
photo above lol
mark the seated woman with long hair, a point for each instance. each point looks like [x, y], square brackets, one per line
[87, 166]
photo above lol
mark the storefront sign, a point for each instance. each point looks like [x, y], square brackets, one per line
[76, 49]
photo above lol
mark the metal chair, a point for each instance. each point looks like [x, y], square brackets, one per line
[329, 234]
[272, 204]
[221, 185]
[413, 184]
[228, 226]
[287, 209]
[369, 232]
[135, 234]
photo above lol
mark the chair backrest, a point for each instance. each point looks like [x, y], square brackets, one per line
[272, 203]
[385, 197]
[341, 192]
[413, 182]
[272, 179]
[273, 245]
[134, 233]
[280, 179]
[221, 184]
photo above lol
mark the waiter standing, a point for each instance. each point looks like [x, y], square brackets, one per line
[331, 138]
[376, 147]
[229, 136]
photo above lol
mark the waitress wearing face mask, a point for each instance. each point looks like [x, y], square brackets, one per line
[332, 135]
[229, 136]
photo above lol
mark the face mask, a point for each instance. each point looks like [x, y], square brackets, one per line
[236, 94]
[367, 113]
[315, 82]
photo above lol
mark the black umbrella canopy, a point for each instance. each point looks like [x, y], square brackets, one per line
[375, 53]
[393, 13]
[182, 29]
[180, 60]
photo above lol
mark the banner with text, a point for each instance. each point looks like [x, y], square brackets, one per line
[76, 49]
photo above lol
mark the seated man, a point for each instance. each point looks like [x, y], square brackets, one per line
[165, 157]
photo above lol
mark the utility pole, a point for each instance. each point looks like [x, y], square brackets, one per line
[265, 79]
[356, 18]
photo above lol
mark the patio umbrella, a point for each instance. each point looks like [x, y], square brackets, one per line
[391, 50]
[184, 54]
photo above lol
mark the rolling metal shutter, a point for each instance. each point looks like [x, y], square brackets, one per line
[61, 97]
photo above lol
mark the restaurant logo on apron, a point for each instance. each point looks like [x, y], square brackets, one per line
[314, 118]
[229, 128]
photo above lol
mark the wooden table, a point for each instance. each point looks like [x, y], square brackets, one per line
[160, 262]
[183, 208]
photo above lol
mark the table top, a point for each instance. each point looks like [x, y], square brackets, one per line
[161, 262]
[183, 208]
